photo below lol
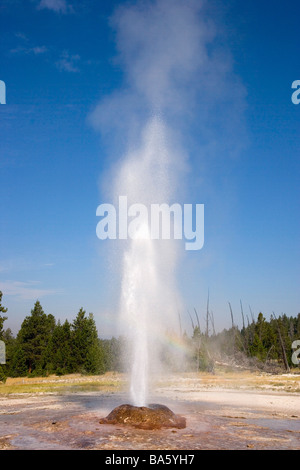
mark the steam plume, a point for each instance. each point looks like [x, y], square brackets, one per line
[175, 76]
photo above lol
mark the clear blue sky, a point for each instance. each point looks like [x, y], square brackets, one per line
[57, 60]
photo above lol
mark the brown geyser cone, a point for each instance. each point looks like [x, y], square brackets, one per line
[153, 416]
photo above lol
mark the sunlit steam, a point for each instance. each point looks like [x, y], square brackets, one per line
[166, 52]
[148, 299]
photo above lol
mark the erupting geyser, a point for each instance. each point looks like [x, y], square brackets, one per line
[176, 77]
[162, 46]
[148, 292]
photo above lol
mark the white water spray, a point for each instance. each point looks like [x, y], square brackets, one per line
[178, 81]
[148, 271]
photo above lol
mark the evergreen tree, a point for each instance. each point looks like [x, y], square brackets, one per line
[33, 338]
[18, 366]
[58, 356]
[86, 348]
[262, 338]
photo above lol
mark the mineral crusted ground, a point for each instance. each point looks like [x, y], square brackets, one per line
[233, 410]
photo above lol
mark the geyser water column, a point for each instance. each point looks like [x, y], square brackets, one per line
[139, 279]
[161, 44]
[148, 292]
[178, 89]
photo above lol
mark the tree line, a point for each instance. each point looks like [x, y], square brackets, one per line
[45, 346]
[260, 343]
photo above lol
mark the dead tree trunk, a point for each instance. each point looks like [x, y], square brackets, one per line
[285, 361]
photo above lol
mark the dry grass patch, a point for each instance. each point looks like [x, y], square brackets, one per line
[233, 380]
[114, 382]
[72, 383]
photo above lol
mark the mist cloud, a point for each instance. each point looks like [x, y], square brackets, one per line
[178, 89]
[175, 64]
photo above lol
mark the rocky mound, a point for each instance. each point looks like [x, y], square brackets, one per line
[153, 416]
